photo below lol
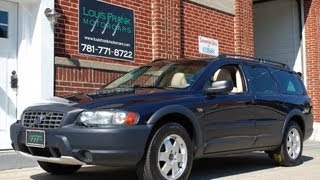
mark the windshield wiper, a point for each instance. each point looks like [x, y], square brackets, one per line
[143, 86]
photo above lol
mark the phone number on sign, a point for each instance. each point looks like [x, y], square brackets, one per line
[106, 51]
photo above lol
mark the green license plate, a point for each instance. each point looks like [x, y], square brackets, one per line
[35, 138]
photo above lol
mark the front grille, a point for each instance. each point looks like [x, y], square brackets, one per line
[44, 120]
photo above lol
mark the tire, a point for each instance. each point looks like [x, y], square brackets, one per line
[171, 143]
[59, 169]
[290, 151]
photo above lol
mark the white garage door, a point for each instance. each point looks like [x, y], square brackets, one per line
[277, 32]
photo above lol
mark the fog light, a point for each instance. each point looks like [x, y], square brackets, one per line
[86, 156]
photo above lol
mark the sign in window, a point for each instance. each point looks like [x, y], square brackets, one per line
[3, 24]
[106, 30]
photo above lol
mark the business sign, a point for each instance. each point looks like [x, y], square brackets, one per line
[106, 30]
[208, 46]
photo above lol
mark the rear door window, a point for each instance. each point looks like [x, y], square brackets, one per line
[261, 81]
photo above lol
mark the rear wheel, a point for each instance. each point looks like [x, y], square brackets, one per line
[290, 151]
[169, 155]
[59, 169]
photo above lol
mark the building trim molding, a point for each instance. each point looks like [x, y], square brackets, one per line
[79, 63]
[226, 6]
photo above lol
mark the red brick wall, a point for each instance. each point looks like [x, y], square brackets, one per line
[243, 27]
[73, 80]
[199, 20]
[312, 29]
[166, 28]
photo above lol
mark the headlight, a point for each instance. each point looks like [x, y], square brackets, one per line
[107, 117]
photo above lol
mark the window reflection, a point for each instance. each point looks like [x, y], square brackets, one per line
[3, 24]
[3, 17]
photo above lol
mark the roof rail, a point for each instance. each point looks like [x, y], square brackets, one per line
[159, 59]
[283, 65]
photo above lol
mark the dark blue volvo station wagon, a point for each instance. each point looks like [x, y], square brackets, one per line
[162, 116]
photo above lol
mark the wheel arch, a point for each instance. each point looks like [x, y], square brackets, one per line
[179, 114]
[297, 116]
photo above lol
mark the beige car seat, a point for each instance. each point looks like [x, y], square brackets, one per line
[225, 74]
[239, 84]
[179, 80]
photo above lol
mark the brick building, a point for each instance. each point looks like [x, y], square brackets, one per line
[42, 42]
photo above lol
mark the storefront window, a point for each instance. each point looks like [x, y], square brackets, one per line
[3, 24]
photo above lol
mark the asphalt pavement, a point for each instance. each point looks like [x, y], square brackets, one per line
[12, 160]
[246, 166]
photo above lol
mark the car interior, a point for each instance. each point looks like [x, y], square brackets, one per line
[179, 80]
[231, 73]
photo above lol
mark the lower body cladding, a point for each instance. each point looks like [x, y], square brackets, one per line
[76, 145]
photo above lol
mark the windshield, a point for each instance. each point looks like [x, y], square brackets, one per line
[161, 75]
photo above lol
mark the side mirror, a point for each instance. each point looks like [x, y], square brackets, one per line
[220, 87]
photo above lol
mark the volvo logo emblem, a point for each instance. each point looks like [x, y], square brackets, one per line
[38, 120]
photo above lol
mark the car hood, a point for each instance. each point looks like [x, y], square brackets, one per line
[121, 97]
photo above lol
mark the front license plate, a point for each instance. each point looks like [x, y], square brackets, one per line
[35, 138]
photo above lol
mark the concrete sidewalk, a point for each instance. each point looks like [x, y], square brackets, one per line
[249, 166]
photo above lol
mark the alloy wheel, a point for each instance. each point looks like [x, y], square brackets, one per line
[293, 143]
[172, 157]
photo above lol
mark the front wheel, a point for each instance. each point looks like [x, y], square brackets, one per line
[59, 169]
[169, 155]
[290, 151]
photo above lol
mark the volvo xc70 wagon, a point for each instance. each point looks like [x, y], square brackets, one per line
[162, 116]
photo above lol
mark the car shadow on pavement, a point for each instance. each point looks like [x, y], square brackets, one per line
[203, 169]
[220, 167]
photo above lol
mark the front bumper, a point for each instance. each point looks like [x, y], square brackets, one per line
[58, 160]
[72, 144]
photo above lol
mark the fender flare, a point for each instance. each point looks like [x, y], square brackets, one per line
[294, 112]
[183, 111]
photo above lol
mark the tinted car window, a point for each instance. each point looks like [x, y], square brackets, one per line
[289, 83]
[261, 80]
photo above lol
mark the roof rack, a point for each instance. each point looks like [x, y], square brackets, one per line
[283, 65]
[159, 59]
[192, 58]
